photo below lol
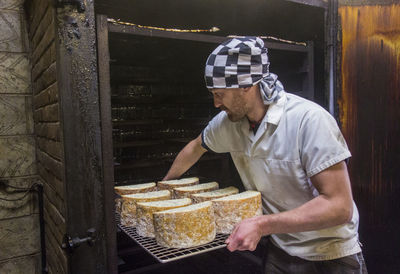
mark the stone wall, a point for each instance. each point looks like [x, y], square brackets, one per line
[49, 149]
[19, 220]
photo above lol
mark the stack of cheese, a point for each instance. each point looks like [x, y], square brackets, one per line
[231, 210]
[145, 210]
[187, 191]
[131, 189]
[128, 212]
[171, 184]
[178, 223]
[215, 194]
[185, 226]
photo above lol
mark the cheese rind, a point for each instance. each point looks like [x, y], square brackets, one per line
[215, 194]
[171, 184]
[185, 226]
[145, 210]
[231, 210]
[128, 211]
[130, 189]
[138, 188]
[187, 191]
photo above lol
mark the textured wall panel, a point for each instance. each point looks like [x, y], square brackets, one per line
[19, 236]
[10, 35]
[14, 72]
[26, 206]
[21, 265]
[15, 115]
[17, 156]
[11, 4]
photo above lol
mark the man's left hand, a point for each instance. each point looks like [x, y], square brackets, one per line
[245, 236]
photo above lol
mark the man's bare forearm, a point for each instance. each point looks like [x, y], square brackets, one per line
[319, 213]
[186, 158]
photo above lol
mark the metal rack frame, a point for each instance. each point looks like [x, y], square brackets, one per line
[165, 254]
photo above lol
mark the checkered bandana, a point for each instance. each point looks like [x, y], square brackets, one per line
[241, 63]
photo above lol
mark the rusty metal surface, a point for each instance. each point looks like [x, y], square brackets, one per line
[370, 115]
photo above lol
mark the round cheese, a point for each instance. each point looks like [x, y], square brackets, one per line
[145, 210]
[130, 189]
[128, 210]
[171, 184]
[215, 194]
[187, 191]
[231, 210]
[185, 226]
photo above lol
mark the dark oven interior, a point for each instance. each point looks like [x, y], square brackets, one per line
[159, 102]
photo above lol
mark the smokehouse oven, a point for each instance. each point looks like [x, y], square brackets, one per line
[154, 101]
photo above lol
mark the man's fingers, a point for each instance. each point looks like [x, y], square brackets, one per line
[232, 235]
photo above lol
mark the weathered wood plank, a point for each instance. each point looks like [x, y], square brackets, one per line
[49, 130]
[47, 78]
[54, 198]
[106, 139]
[46, 97]
[50, 163]
[80, 116]
[44, 26]
[52, 148]
[44, 61]
[37, 12]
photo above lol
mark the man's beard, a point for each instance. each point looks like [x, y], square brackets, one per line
[237, 115]
[234, 117]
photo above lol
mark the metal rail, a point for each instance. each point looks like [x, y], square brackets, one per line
[164, 254]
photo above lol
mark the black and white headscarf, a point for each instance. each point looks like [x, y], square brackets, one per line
[241, 63]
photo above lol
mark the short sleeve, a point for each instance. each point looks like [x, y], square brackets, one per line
[219, 134]
[321, 142]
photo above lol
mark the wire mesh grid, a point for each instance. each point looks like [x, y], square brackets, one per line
[164, 254]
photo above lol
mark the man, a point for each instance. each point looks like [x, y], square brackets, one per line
[292, 151]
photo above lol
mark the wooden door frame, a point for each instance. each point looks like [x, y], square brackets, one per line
[85, 178]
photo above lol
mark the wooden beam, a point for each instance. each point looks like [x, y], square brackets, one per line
[315, 3]
[103, 62]
[206, 38]
[81, 136]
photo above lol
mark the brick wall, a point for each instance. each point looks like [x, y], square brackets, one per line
[19, 220]
[49, 152]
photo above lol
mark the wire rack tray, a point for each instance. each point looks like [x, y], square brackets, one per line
[164, 254]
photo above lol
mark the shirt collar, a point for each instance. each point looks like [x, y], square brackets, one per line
[275, 110]
[273, 116]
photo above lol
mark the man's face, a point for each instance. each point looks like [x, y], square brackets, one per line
[232, 101]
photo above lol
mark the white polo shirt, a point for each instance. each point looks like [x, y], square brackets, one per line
[296, 140]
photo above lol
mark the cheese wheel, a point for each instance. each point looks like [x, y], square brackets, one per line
[171, 184]
[145, 210]
[187, 191]
[215, 194]
[184, 227]
[231, 210]
[128, 210]
[130, 189]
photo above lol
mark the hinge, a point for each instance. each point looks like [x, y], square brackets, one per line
[80, 5]
[70, 244]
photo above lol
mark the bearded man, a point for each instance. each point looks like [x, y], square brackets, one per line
[292, 151]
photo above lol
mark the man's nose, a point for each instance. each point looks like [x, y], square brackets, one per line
[217, 102]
